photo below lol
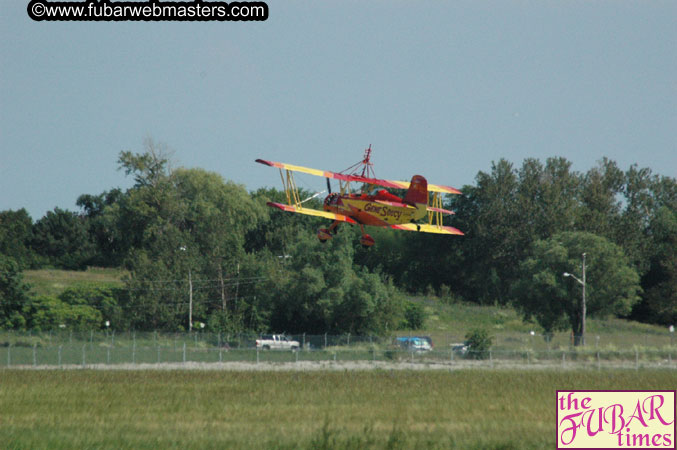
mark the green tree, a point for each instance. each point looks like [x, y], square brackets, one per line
[49, 313]
[492, 246]
[319, 290]
[414, 316]
[16, 232]
[277, 231]
[660, 282]
[62, 240]
[102, 214]
[13, 295]
[479, 343]
[105, 299]
[184, 223]
[543, 293]
[599, 197]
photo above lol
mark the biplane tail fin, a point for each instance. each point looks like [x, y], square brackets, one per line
[417, 195]
[417, 192]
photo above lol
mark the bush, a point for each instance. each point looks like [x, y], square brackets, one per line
[49, 313]
[414, 316]
[479, 343]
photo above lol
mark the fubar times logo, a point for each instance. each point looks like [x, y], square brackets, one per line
[616, 419]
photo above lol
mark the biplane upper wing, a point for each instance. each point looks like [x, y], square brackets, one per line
[434, 188]
[425, 228]
[312, 212]
[356, 178]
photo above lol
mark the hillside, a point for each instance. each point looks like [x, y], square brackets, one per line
[52, 282]
[446, 323]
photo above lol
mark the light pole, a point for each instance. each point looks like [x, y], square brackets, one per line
[190, 297]
[583, 311]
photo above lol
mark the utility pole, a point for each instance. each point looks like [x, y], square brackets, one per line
[190, 295]
[223, 288]
[190, 301]
[237, 284]
[583, 309]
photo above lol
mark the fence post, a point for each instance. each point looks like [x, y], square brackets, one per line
[325, 340]
[84, 361]
[9, 354]
[60, 355]
[134, 350]
[598, 361]
[491, 359]
[184, 351]
[35, 357]
[158, 354]
[257, 355]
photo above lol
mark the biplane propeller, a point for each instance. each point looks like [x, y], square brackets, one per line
[379, 208]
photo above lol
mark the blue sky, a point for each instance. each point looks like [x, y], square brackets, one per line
[440, 89]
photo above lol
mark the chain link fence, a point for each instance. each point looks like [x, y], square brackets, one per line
[66, 348]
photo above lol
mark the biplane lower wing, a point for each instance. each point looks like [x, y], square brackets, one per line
[312, 212]
[440, 210]
[425, 228]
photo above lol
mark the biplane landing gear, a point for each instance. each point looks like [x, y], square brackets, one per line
[324, 234]
[366, 240]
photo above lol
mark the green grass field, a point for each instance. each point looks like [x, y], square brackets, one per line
[351, 409]
[53, 282]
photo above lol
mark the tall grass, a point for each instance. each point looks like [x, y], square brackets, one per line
[376, 409]
[53, 281]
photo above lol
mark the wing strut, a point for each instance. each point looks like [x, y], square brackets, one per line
[290, 189]
[435, 214]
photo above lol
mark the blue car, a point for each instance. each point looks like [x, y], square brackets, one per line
[415, 343]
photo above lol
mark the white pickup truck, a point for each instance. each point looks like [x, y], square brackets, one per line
[276, 342]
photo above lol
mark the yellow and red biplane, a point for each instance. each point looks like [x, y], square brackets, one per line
[369, 206]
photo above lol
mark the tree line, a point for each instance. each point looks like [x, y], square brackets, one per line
[250, 268]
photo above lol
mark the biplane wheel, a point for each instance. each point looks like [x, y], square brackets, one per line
[367, 241]
[323, 235]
